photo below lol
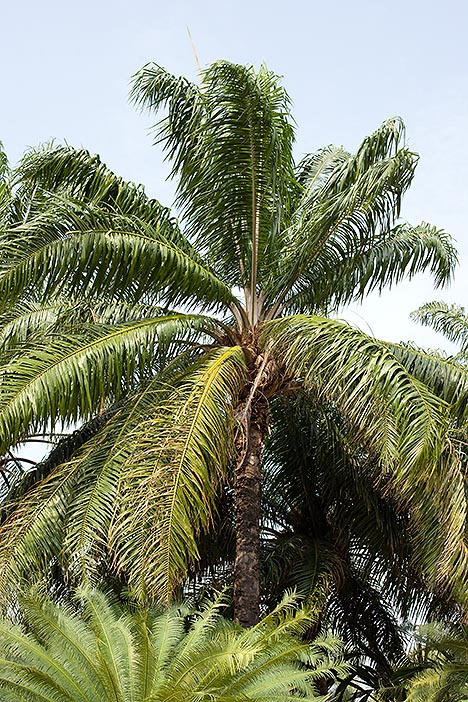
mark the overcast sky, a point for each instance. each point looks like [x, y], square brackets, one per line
[347, 66]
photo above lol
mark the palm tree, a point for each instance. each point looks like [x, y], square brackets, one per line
[94, 650]
[180, 340]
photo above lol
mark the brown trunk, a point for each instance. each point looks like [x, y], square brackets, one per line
[248, 497]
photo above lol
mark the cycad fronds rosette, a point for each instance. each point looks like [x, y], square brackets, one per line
[95, 650]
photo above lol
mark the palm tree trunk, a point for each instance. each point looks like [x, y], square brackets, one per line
[248, 499]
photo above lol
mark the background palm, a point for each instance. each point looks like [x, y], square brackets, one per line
[96, 651]
[93, 272]
[450, 320]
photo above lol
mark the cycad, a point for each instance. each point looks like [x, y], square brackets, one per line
[98, 651]
[268, 247]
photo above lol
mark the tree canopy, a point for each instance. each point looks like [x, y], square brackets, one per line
[177, 342]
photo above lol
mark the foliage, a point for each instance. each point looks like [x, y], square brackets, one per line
[94, 650]
[184, 339]
[450, 320]
[435, 670]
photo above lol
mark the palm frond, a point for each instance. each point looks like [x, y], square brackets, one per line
[395, 416]
[234, 130]
[445, 375]
[450, 320]
[333, 522]
[79, 247]
[436, 670]
[168, 486]
[70, 376]
[32, 320]
[142, 488]
[345, 213]
[52, 172]
[400, 253]
[314, 169]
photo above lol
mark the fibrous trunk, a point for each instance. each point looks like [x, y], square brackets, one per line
[248, 498]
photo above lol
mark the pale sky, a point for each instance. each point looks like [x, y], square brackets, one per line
[347, 66]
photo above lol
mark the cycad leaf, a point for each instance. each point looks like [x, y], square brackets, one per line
[210, 658]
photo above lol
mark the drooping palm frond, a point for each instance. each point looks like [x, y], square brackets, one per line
[5, 187]
[315, 169]
[27, 318]
[99, 651]
[359, 373]
[409, 437]
[33, 320]
[446, 376]
[450, 320]
[79, 247]
[62, 172]
[63, 448]
[141, 490]
[169, 487]
[70, 376]
[331, 517]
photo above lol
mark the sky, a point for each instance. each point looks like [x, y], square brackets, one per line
[346, 65]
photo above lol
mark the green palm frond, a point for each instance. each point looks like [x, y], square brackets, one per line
[360, 374]
[4, 166]
[168, 486]
[99, 651]
[450, 320]
[69, 376]
[446, 376]
[332, 518]
[395, 417]
[315, 169]
[360, 199]
[7, 199]
[400, 253]
[80, 247]
[234, 130]
[53, 172]
[33, 320]
[19, 322]
[142, 488]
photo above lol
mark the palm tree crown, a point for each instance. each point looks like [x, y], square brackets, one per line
[175, 342]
